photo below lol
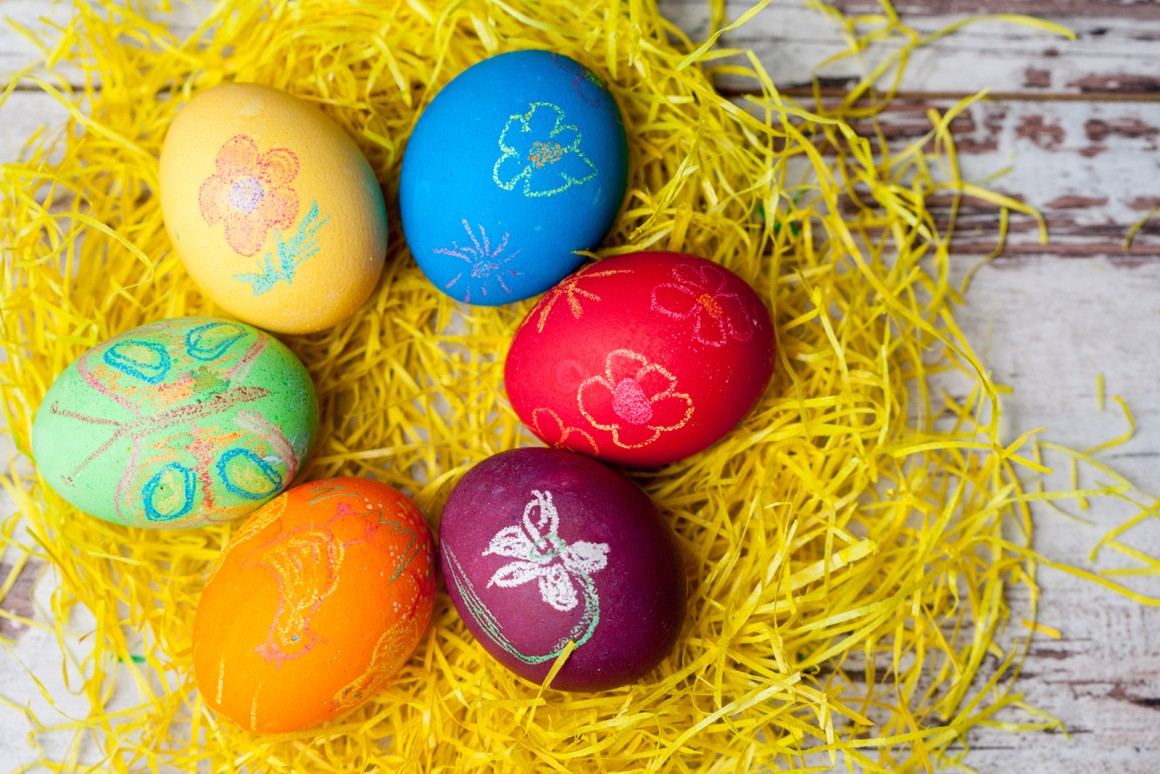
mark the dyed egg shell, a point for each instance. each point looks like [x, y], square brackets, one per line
[273, 210]
[641, 359]
[541, 547]
[315, 603]
[178, 423]
[518, 162]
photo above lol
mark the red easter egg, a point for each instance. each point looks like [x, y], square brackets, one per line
[542, 547]
[641, 359]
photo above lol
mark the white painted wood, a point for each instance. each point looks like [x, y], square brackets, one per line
[1110, 54]
[27, 113]
[1047, 320]
[1113, 52]
[1079, 163]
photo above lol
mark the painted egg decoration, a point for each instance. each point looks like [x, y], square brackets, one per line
[542, 547]
[177, 423]
[313, 605]
[272, 208]
[517, 163]
[641, 359]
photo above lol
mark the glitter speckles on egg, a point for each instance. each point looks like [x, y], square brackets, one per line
[317, 601]
[484, 271]
[542, 150]
[697, 295]
[249, 192]
[571, 294]
[634, 399]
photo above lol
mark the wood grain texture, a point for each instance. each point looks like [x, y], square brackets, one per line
[1116, 54]
[1089, 168]
[1139, 10]
[1077, 124]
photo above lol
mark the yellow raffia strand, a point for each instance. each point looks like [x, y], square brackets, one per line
[848, 546]
[1137, 226]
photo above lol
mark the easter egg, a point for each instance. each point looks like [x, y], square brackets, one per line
[275, 213]
[177, 423]
[517, 163]
[313, 605]
[543, 547]
[641, 359]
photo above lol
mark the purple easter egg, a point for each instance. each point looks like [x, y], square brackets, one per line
[541, 547]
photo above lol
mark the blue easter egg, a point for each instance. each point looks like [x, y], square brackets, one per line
[517, 163]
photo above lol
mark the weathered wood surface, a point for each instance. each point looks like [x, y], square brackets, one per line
[1116, 53]
[1078, 124]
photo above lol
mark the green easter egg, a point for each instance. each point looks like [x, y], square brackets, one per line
[178, 423]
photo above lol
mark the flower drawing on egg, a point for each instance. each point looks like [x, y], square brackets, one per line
[485, 262]
[250, 193]
[547, 425]
[633, 399]
[569, 292]
[541, 555]
[697, 295]
[541, 153]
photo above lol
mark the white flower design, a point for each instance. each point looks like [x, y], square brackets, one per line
[536, 547]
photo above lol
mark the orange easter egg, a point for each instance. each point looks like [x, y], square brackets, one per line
[313, 605]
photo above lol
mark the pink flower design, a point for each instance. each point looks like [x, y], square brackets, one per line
[549, 428]
[486, 261]
[633, 399]
[250, 193]
[698, 294]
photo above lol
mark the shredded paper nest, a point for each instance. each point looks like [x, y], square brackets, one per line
[848, 546]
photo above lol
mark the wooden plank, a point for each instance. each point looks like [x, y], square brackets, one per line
[1114, 56]
[23, 115]
[1129, 9]
[1100, 679]
[1080, 164]
[1117, 54]
[1047, 326]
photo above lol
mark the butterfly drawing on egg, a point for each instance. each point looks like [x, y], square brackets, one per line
[485, 262]
[181, 460]
[561, 571]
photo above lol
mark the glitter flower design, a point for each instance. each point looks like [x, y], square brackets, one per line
[697, 294]
[633, 399]
[485, 262]
[542, 555]
[548, 427]
[250, 193]
[541, 153]
[569, 292]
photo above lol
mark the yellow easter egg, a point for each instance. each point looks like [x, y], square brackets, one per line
[272, 208]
